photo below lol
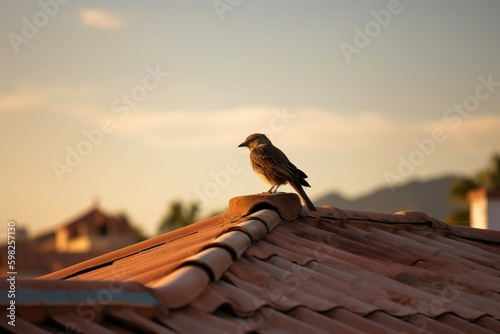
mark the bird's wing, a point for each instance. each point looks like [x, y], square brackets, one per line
[274, 161]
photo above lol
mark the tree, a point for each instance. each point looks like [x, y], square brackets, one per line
[139, 234]
[179, 215]
[488, 178]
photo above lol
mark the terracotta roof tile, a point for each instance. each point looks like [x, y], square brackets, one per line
[320, 320]
[22, 326]
[192, 320]
[269, 266]
[71, 320]
[489, 323]
[182, 286]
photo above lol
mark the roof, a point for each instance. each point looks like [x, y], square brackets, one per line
[483, 193]
[41, 255]
[268, 266]
[95, 218]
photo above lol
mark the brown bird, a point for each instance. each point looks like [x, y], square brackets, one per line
[272, 165]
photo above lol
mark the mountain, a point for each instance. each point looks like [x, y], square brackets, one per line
[431, 197]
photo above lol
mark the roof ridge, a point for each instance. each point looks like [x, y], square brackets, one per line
[400, 217]
[410, 217]
[475, 234]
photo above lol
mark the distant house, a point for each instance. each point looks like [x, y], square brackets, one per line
[484, 209]
[94, 231]
[86, 236]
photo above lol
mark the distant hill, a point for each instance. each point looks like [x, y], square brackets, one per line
[431, 197]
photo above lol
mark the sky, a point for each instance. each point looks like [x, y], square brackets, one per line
[133, 105]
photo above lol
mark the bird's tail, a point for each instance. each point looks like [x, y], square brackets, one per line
[298, 188]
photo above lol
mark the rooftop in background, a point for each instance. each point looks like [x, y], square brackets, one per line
[83, 237]
[268, 266]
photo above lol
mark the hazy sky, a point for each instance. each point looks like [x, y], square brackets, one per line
[138, 103]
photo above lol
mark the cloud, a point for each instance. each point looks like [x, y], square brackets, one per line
[304, 129]
[27, 98]
[20, 101]
[316, 130]
[477, 134]
[175, 129]
[101, 19]
[341, 131]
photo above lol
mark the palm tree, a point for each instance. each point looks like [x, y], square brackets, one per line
[179, 215]
[488, 178]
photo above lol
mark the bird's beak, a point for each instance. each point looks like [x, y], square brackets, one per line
[244, 144]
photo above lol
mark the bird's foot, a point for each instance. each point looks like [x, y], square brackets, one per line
[273, 189]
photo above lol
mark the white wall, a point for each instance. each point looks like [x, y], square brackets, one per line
[494, 214]
[478, 213]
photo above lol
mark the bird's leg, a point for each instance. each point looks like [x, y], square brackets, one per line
[270, 191]
[273, 189]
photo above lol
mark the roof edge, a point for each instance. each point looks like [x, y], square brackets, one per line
[108, 258]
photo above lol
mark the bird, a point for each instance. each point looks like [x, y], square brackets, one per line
[273, 166]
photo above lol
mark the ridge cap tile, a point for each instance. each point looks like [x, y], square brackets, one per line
[215, 259]
[236, 241]
[491, 236]
[330, 212]
[181, 287]
[269, 217]
[416, 216]
[255, 229]
[377, 216]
